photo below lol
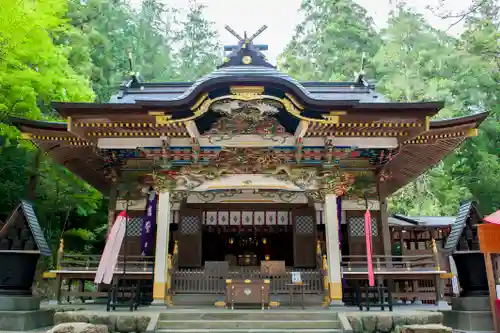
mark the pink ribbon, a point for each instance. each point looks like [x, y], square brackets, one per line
[368, 235]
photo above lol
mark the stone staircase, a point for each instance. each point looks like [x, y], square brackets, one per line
[249, 321]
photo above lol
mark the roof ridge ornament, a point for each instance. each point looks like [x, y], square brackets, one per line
[360, 76]
[245, 52]
[134, 75]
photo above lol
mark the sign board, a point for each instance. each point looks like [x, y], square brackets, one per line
[489, 238]
[296, 277]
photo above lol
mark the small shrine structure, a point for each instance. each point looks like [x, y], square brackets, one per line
[251, 165]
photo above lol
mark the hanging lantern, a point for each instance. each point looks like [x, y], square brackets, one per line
[231, 240]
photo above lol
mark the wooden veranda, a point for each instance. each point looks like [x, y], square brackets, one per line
[410, 277]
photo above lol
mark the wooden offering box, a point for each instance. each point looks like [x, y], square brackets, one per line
[247, 292]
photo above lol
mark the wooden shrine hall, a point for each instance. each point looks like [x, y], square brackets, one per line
[255, 175]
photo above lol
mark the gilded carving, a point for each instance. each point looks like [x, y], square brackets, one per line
[247, 160]
[243, 93]
[285, 196]
[246, 117]
[178, 196]
[302, 177]
[163, 182]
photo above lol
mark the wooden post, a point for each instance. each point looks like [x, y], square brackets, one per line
[386, 233]
[168, 294]
[324, 268]
[492, 287]
[112, 206]
[60, 254]
[33, 179]
[489, 234]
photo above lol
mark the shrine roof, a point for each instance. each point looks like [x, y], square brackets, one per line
[397, 220]
[312, 92]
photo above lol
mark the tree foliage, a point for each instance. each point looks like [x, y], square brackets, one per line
[328, 44]
[73, 50]
[413, 61]
[197, 43]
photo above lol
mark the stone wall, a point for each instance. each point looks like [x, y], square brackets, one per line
[366, 322]
[116, 323]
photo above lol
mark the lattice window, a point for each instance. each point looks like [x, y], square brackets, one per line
[134, 226]
[304, 224]
[357, 226]
[189, 225]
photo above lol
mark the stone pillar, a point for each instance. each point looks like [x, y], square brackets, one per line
[161, 252]
[333, 254]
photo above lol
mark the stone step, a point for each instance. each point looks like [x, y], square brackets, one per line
[238, 330]
[253, 315]
[209, 299]
[249, 324]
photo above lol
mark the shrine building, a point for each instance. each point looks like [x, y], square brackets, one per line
[252, 166]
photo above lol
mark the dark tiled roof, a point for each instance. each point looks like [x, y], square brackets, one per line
[319, 91]
[421, 221]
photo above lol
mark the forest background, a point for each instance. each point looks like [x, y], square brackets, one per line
[76, 50]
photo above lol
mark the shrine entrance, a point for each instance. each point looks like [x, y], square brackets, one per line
[247, 234]
[247, 246]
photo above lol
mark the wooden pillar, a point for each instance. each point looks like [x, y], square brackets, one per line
[386, 233]
[161, 252]
[113, 194]
[333, 250]
[492, 288]
[33, 179]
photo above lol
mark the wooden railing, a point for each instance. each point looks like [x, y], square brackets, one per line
[391, 263]
[195, 280]
[80, 262]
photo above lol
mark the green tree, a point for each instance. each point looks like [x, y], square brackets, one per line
[199, 51]
[102, 34]
[35, 71]
[417, 62]
[328, 44]
[152, 42]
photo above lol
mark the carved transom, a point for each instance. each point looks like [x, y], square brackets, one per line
[245, 117]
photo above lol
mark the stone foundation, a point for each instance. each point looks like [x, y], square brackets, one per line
[470, 314]
[22, 313]
[366, 322]
[115, 323]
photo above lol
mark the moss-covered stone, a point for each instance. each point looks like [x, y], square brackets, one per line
[108, 320]
[126, 324]
[142, 323]
[78, 328]
[370, 323]
[384, 323]
[356, 324]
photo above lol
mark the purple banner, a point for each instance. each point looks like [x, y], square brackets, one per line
[149, 225]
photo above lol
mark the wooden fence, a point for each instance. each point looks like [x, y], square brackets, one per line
[195, 281]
